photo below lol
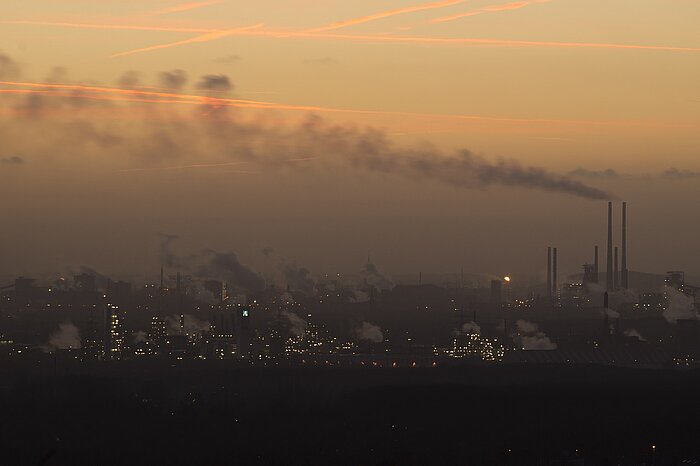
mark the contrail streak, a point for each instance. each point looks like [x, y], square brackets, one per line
[184, 7]
[385, 14]
[114, 27]
[369, 38]
[489, 9]
[184, 167]
[134, 95]
[203, 38]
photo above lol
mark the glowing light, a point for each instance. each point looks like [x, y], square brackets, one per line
[507, 279]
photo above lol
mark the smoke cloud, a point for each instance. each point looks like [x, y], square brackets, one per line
[679, 306]
[298, 278]
[175, 79]
[215, 82]
[226, 267]
[140, 337]
[369, 332]
[374, 278]
[66, 337]
[297, 325]
[529, 337]
[470, 328]
[630, 332]
[130, 79]
[8, 67]
[193, 325]
[221, 137]
[12, 160]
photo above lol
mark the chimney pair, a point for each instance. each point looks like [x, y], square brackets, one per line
[613, 280]
[551, 272]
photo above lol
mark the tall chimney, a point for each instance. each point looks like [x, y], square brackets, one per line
[554, 272]
[595, 263]
[549, 272]
[609, 271]
[625, 273]
[616, 273]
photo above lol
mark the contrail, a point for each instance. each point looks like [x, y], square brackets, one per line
[369, 38]
[115, 27]
[135, 95]
[184, 7]
[203, 38]
[183, 167]
[385, 14]
[489, 9]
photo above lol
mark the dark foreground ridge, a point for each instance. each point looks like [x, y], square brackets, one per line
[147, 413]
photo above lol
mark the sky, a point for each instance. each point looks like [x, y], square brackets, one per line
[434, 135]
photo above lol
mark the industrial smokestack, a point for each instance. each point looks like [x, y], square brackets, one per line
[616, 273]
[609, 271]
[554, 272]
[549, 272]
[595, 263]
[625, 273]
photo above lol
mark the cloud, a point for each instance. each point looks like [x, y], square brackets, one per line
[369, 332]
[12, 160]
[175, 79]
[66, 337]
[215, 82]
[8, 67]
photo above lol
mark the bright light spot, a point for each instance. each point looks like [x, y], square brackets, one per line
[506, 279]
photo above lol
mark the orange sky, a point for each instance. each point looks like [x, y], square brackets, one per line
[558, 84]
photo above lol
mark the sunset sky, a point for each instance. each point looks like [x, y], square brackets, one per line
[324, 129]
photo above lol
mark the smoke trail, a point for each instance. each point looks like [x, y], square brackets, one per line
[273, 147]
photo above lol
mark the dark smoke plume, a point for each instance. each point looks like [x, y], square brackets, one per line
[175, 79]
[298, 278]
[12, 160]
[215, 82]
[225, 266]
[8, 67]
